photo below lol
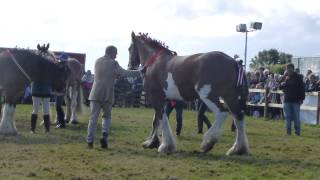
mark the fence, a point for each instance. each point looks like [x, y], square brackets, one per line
[268, 105]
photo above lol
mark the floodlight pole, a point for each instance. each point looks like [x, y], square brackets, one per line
[243, 28]
[245, 52]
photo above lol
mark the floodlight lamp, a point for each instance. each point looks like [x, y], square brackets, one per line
[241, 28]
[256, 25]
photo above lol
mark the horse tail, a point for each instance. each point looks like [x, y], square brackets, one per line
[79, 107]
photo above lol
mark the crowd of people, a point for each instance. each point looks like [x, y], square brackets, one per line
[266, 79]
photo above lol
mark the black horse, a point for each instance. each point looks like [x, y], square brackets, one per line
[19, 67]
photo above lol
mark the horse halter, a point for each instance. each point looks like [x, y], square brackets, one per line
[18, 65]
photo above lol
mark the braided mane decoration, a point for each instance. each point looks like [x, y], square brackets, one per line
[156, 43]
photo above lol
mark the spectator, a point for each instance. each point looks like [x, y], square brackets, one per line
[202, 118]
[306, 78]
[178, 105]
[87, 82]
[294, 95]
[312, 85]
[27, 97]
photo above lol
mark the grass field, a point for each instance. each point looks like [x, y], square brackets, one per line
[62, 154]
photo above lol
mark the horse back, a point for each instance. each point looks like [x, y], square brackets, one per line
[214, 68]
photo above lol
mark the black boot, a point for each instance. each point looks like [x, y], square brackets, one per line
[33, 122]
[46, 119]
[104, 141]
[233, 127]
[90, 145]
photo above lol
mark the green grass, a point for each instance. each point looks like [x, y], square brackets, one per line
[62, 154]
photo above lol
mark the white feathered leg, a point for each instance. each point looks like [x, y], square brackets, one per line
[7, 125]
[168, 144]
[241, 146]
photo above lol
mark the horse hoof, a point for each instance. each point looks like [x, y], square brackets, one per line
[166, 149]
[206, 146]
[234, 150]
[151, 144]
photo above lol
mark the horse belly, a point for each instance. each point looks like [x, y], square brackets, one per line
[172, 91]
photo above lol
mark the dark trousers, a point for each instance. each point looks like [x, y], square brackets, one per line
[59, 109]
[179, 109]
[202, 118]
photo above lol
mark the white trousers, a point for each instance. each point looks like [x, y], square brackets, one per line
[37, 101]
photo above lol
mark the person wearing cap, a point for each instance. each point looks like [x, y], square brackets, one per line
[60, 97]
[86, 83]
[106, 70]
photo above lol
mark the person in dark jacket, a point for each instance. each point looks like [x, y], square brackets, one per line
[202, 118]
[59, 93]
[41, 92]
[178, 105]
[294, 95]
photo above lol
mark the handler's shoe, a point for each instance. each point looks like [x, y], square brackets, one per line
[60, 126]
[90, 145]
[104, 143]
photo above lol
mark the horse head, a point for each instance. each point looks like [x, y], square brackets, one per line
[44, 52]
[143, 49]
[134, 57]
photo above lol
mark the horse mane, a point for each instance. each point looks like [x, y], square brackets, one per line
[29, 54]
[155, 43]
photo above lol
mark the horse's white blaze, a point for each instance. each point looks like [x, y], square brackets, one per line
[213, 134]
[172, 91]
[168, 144]
[7, 125]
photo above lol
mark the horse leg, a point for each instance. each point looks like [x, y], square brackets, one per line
[74, 96]
[7, 125]
[211, 99]
[68, 105]
[153, 140]
[168, 144]
[240, 147]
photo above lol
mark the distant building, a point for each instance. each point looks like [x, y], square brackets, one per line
[305, 63]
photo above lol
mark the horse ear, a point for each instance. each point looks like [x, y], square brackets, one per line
[38, 47]
[133, 35]
[47, 47]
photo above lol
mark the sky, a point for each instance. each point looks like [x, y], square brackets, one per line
[186, 26]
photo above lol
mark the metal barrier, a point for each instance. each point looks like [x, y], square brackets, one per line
[268, 105]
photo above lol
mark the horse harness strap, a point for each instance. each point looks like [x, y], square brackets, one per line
[18, 65]
[240, 76]
[153, 58]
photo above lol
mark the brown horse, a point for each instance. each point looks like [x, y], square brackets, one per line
[209, 76]
[73, 96]
[17, 69]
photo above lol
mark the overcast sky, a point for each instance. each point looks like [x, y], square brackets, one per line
[187, 26]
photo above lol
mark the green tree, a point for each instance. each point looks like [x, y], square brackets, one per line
[272, 59]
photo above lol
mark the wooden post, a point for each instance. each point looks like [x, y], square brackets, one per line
[318, 108]
[265, 110]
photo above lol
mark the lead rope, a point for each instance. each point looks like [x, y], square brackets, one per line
[18, 65]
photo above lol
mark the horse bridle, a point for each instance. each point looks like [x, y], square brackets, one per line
[18, 65]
